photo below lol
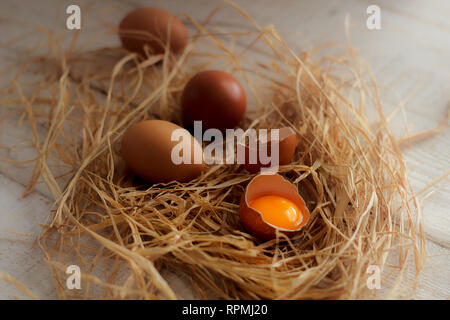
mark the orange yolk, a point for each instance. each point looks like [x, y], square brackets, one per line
[278, 211]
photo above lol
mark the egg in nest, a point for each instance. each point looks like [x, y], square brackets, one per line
[272, 203]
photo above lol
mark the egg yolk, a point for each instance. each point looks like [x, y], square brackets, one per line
[278, 211]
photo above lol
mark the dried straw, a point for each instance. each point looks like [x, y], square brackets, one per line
[125, 234]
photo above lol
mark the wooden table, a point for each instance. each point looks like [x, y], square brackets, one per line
[411, 53]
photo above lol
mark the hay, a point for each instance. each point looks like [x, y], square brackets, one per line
[125, 234]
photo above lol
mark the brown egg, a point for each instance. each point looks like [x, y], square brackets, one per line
[148, 151]
[286, 147]
[150, 27]
[279, 207]
[215, 98]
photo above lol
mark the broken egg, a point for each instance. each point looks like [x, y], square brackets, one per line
[152, 28]
[287, 142]
[272, 203]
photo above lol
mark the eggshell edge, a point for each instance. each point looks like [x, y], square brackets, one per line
[288, 144]
[252, 220]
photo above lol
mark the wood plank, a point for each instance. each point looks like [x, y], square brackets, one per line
[19, 219]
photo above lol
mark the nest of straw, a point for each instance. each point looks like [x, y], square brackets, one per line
[130, 237]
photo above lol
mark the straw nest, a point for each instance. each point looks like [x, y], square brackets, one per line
[129, 237]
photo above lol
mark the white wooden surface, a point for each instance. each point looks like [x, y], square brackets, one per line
[411, 53]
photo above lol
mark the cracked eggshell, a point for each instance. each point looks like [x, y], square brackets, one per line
[269, 184]
[287, 143]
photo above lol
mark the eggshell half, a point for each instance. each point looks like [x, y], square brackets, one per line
[269, 184]
[287, 143]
